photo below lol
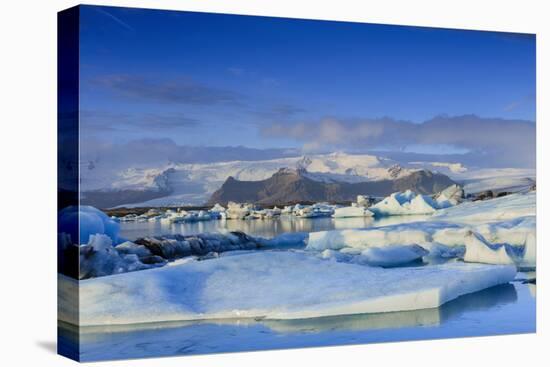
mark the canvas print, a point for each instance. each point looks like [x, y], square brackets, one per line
[235, 183]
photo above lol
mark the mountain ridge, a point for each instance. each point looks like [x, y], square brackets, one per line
[294, 185]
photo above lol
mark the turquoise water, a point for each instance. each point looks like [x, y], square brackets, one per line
[505, 309]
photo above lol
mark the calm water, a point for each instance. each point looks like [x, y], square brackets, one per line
[267, 228]
[506, 309]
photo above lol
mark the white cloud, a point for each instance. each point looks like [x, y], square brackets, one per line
[498, 141]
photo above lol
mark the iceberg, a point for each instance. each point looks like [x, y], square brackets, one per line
[239, 211]
[389, 256]
[285, 240]
[410, 203]
[451, 196]
[87, 221]
[478, 250]
[352, 212]
[508, 242]
[365, 238]
[272, 285]
[99, 258]
[529, 254]
[171, 247]
[404, 203]
[500, 209]
[217, 208]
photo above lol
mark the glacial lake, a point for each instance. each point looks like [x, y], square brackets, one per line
[505, 309]
[267, 228]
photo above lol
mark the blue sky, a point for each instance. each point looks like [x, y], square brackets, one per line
[207, 79]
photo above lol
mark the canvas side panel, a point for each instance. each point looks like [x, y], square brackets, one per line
[68, 181]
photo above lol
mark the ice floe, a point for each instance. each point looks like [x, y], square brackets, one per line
[352, 212]
[99, 258]
[82, 222]
[478, 250]
[389, 256]
[274, 285]
[509, 242]
[451, 196]
[498, 209]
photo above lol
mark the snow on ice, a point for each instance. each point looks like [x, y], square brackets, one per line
[499, 209]
[274, 285]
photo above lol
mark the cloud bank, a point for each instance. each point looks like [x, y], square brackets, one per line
[497, 142]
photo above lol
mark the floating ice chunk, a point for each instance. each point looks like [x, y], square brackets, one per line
[171, 247]
[407, 203]
[88, 221]
[276, 285]
[364, 238]
[239, 211]
[351, 212]
[133, 248]
[451, 236]
[529, 253]
[480, 251]
[499, 209]
[440, 251]
[99, 258]
[100, 242]
[290, 239]
[513, 232]
[393, 255]
[389, 256]
[217, 208]
[451, 196]
[441, 239]
[422, 204]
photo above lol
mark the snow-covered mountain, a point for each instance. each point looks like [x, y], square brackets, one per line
[176, 184]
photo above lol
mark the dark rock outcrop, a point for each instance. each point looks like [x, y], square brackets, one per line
[290, 186]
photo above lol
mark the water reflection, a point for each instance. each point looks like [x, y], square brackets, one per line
[482, 300]
[267, 228]
[498, 310]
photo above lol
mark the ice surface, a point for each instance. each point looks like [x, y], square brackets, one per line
[498, 179]
[530, 249]
[513, 232]
[89, 221]
[478, 250]
[275, 285]
[499, 209]
[451, 196]
[217, 208]
[504, 242]
[99, 258]
[289, 239]
[388, 256]
[370, 237]
[351, 212]
[404, 203]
